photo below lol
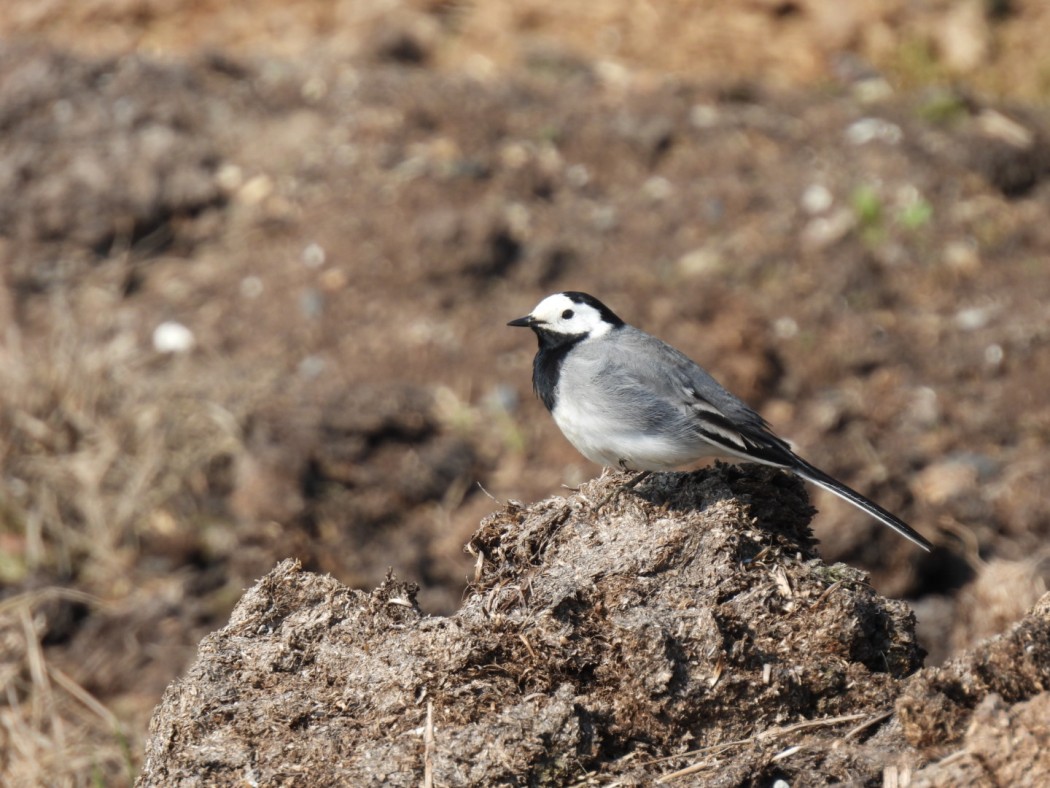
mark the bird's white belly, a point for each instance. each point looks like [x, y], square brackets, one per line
[611, 443]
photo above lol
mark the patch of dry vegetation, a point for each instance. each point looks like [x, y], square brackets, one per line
[52, 730]
[94, 463]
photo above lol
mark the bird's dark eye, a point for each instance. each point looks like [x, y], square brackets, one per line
[568, 313]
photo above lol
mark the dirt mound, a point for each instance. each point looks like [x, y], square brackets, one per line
[687, 626]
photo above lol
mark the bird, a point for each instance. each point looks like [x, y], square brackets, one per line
[625, 399]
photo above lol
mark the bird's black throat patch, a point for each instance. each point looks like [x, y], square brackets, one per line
[546, 366]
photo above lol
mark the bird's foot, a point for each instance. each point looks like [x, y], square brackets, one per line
[638, 479]
[625, 487]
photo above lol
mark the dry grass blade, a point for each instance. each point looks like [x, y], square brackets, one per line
[27, 599]
[868, 723]
[428, 748]
[82, 695]
[758, 737]
[43, 698]
[699, 766]
[785, 753]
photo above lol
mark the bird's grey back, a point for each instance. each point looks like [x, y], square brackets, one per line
[627, 362]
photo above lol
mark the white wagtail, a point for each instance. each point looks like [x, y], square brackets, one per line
[626, 399]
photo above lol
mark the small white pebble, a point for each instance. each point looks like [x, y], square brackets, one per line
[699, 261]
[925, 408]
[251, 287]
[514, 156]
[230, 178]
[578, 176]
[612, 74]
[703, 116]
[314, 255]
[314, 89]
[973, 318]
[311, 366]
[255, 190]
[993, 355]
[311, 303]
[172, 337]
[867, 130]
[816, 199]
[871, 90]
[604, 217]
[823, 231]
[657, 188]
[962, 256]
[785, 327]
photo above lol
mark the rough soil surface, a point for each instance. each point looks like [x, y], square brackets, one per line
[687, 631]
[255, 270]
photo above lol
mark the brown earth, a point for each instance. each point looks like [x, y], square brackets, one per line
[345, 209]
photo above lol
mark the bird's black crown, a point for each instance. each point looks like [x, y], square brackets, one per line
[586, 298]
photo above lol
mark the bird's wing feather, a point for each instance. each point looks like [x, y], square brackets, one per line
[653, 370]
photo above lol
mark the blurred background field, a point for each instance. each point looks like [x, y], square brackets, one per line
[257, 260]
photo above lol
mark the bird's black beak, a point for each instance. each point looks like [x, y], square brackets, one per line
[523, 322]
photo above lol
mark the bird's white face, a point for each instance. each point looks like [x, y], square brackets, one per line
[559, 314]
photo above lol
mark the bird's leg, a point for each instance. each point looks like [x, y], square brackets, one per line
[641, 477]
[637, 479]
[629, 485]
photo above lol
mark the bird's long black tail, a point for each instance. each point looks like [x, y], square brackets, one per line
[821, 479]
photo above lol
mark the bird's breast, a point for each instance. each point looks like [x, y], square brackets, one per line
[611, 437]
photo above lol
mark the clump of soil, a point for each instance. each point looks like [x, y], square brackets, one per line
[687, 628]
